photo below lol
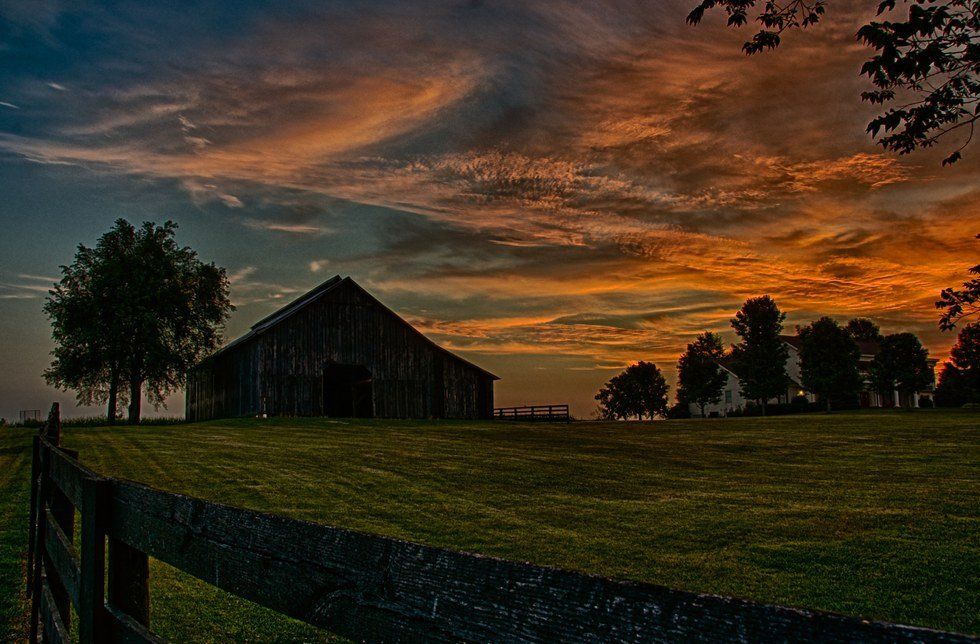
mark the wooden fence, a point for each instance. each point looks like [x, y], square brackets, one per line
[361, 586]
[533, 412]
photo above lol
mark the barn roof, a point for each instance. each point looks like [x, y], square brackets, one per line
[317, 293]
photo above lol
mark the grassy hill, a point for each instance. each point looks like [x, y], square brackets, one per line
[874, 514]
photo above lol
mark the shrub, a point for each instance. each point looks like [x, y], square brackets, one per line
[679, 410]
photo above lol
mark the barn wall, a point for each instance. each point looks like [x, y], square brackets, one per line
[280, 372]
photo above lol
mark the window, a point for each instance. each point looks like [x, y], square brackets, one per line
[728, 396]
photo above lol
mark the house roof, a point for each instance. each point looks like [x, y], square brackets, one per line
[866, 347]
[316, 294]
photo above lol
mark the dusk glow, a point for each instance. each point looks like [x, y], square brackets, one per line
[550, 190]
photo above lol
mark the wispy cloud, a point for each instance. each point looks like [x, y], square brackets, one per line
[39, 278]
[279, 227]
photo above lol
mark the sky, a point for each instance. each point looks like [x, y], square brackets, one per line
[553, 190]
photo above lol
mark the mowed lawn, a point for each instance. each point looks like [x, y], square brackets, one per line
[871, 514]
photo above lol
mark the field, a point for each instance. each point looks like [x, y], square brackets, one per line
[872, 514]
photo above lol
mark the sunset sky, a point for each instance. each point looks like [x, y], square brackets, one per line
[552, 190]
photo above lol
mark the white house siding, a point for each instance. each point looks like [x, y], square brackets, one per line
[793, 366]
[731, 399]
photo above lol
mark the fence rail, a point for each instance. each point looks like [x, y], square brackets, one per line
[533, 412]
[361, 586]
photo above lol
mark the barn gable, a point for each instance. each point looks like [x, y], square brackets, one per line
[337, 351]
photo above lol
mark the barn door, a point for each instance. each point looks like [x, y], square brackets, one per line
[348, 391]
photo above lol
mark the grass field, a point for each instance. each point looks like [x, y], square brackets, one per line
[872, 514]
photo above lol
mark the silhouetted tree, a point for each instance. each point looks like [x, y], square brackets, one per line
[91, 344]
[959, 379]
[829, 361]
[864, 330]
[137, 309]
[699, 378]
[760, 358]
[929, 62]
[960, 303]
[902, 365]
[639, 391]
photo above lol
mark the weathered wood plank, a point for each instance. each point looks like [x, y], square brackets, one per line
[62, 510]
[67, 473]
[91, 596]
[32, 521]
[374, 588]
[38, 569]
[55, 630]
[123, 629]
[62, 556]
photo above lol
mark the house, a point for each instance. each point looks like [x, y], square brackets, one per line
[337, 351]
[732, 398]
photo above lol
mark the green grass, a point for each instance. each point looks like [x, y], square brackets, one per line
[871, 514]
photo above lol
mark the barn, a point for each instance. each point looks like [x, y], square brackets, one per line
[337, 351]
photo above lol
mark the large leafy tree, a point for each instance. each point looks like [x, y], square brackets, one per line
[90, 344]
[958, 304]
[864, 330]
[829, 361]
[640, 390]
[136, 311]
[925, 66]
[902, 364]
[959, 379]
[760, 357]
[699, 378]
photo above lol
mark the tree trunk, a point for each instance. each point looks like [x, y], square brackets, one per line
[763, 406]
[828, 404]
[701, 405]
[135, 398]
[113, 395]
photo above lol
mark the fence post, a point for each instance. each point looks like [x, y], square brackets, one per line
[36, 580]
[91, 596]
[129, 581]
[32, 526]
[64, 514]
[52, 428]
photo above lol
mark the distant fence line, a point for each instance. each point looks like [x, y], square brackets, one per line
[360, 586]
[29, 415]
[533, 412]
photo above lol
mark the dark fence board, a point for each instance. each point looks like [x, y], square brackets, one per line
[62, 556]
[533, 412]
[123, 629]
[67, 474]
[375, 588]
[32, 521]
[54, 626]
[91, 616]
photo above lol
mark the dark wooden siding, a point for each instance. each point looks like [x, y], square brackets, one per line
[279, 371]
